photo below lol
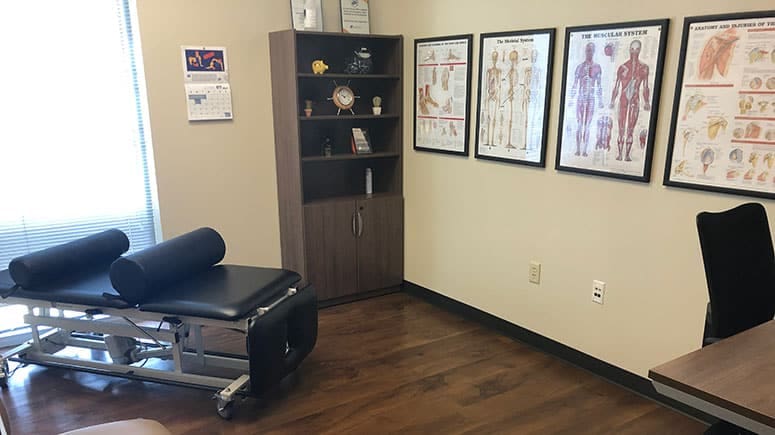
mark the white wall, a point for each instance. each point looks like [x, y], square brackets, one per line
[217, 173]
[472, 226]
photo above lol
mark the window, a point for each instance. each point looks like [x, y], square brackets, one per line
[75, 154]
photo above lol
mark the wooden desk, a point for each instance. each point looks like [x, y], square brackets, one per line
[733, 379]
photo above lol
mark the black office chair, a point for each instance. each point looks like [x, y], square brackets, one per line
[740, 271]
[739, 268]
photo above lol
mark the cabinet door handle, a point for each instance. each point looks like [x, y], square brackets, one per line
[360, 224]
[352, 222]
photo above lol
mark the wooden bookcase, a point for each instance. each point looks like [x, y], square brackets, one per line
[337, 237]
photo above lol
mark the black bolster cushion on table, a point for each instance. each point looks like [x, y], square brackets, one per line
[141, 274]
[48, 265]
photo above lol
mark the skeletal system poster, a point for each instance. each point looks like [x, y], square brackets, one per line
[515, 72]
[442, 87]
[723, 132]
[610, 96]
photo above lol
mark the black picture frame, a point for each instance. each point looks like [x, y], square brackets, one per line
[429, 118]
[678, 127]
[612, 35]
[543, 71]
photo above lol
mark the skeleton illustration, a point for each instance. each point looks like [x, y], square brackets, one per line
[745, 104]
[707, 157]
[753, 159]
[736, 155]
[688, 135]
[693, 105]
[717, 54]
[680, 168]
[763, 105]
[630, 76]
[445, 79]
[716, 124]
[493, 78]
[587, 83]
[533, 83]
[769, 159]
[512, 78]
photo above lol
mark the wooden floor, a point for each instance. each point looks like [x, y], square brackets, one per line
[386, 365]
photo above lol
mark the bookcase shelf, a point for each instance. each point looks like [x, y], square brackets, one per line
[337, 157]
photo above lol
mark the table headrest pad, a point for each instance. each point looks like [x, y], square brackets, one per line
[48, 265]
[144, 273]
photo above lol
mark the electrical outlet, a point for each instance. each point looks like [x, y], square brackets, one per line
[598, 291]
[534, 272]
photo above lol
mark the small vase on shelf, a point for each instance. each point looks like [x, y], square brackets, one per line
[377, 105]
[308, 108]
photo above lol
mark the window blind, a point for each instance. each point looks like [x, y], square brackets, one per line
[75, 153]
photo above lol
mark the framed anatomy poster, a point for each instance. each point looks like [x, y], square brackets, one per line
[610, 97]
[442, 88]
[515, 71]
[722, 135]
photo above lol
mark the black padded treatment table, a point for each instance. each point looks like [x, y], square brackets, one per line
[153, 304]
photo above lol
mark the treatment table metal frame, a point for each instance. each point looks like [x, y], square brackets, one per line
[178, 338]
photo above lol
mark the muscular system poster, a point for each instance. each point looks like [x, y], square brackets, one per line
[514, 78]
[723, 132]
[610, 96]
[442, 88]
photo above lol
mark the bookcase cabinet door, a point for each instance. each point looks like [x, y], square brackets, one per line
[331, 248]
[380, 242]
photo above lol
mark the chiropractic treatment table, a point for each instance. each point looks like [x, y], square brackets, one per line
[152, 306]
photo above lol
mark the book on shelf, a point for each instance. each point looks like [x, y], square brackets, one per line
[360, 141]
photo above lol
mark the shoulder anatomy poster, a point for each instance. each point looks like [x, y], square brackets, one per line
[442, 88]
[206, 79]
[514, 79]
[610, 96]
[723, 132]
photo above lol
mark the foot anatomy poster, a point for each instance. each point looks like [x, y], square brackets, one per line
[442, 91]
[722, 137]
[610, 95]
[513, 96]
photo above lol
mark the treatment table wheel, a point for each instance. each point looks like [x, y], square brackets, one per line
[225, 409]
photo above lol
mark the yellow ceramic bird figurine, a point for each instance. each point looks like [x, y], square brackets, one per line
[319, 67]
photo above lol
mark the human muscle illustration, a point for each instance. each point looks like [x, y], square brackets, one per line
[717, 54]
[630, 77]
[586, 83]
[604, 126]
[493, 79]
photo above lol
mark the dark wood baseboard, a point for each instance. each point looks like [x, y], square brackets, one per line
[358, 296]
[617, 375]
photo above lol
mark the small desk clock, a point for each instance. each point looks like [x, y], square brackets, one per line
[343, 97]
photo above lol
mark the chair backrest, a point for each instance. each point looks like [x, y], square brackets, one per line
[739, 267]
